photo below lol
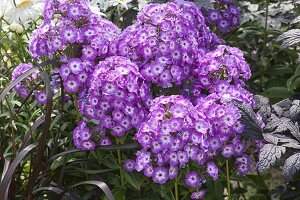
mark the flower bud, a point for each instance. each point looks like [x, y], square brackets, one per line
[16, 27]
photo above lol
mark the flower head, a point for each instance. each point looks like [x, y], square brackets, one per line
[212, 170]
[114, 95]
[165, 40]
[192, 179]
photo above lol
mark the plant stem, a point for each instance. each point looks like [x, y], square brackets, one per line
[120, 166]
[76, 108]
[264, 44]
[228, 180]
[243, 195]
[176, 189]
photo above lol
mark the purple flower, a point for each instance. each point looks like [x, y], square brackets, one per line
[87, 145]
[172, 158]
[105, 141]
[212, 170]
[227, 151]
[69, 35]
[156, 147]
[170, 44]
[192, 179]
[22, 88]
[64, 71]
[213, 16]
[192, 152]
[198, 195]
[129, 165]
[75, 65]
[201, 126]
[173, 172]
[41, 97]
[85, 134]
[160, 175]
[182, 158]
[113, 96]
[214, 143]
[165, 139]
[243, 168]
[239, 148]
[226, 13]
[183, 32]
[234, 66]
[89, 53]
[74, 11]
[233, 9]
[235, 21]
[223, 25]
[148, 170]
[71, 84]
[244, 159]
[23, 91]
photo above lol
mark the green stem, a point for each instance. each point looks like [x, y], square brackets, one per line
[176, 189]
[120, 167]
[77, 108]
[262, 69]
[228, 180]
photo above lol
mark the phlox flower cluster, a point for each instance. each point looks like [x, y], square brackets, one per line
[111, 74]
[224, 16]
[173, 135]
[86, 138]
[117, 97]
[69, 25]
[164, 42]
[77, 36]
[224, 139]
[177, 133]
[223, 71]
[24, 88]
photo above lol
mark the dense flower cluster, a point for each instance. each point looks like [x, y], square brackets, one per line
[223, 71]
[225, 15]
[176, 133]
[173, 135]
[67, 25]
[224, 139]
[164, 42]
[86, 138]
[117, 96]
[26, 86]
[75, 34]
[110, 73]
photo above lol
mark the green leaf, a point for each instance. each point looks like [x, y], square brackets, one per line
[280, 70]
[277, 92]
[132, 179]
[120, 193]
[59, 162]
[214, 189]
[258, 197]
[297, 71]
[293, 82]
[259, 181]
